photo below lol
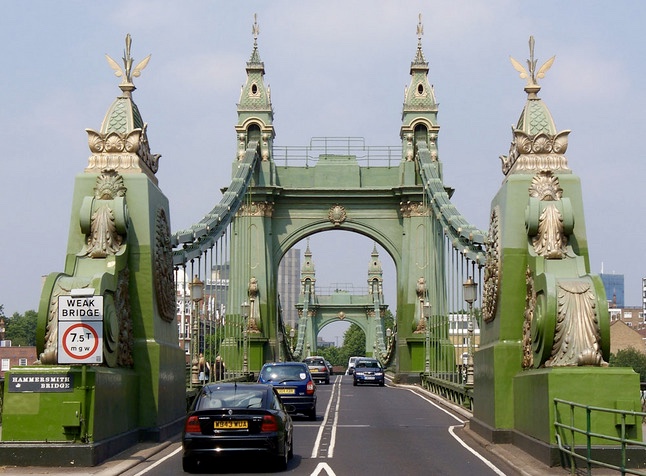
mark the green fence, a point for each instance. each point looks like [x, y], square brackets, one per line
[449, 389]
[629, 451]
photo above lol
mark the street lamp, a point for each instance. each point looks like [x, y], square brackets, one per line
[244, 311]
[427, 316]
[470, 288]
[196, 288]
[292, 334]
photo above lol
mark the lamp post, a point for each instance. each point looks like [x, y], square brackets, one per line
[470, 288]
[244, 311]
[196, 288]
[292, 334]
[427, 316]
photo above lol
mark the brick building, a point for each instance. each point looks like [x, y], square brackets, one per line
[11, 357]
[623, 336]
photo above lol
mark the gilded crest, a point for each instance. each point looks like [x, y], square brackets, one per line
[337, 215]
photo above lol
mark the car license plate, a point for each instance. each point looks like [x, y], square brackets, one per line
[369, 378]
[286, 391]
[230, 425]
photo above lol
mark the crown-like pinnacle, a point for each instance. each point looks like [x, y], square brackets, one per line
[532, 86]
[255, 30]
[420, 30]
[128, 72]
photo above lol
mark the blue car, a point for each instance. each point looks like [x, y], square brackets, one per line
[294, 383]
[368, 371]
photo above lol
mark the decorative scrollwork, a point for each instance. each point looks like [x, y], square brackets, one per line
[550, 240]
[104, 238]
[163, 268]
[530, 304]
[493, 268]
[577, 340]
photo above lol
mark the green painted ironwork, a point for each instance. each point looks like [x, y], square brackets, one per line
[580, 422]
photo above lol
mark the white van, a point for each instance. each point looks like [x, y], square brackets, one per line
[351, 362]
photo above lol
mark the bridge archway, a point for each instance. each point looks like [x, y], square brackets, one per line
[344, 263]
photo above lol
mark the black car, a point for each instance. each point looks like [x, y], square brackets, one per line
[294, 384]
[234, 418]
[368, 371]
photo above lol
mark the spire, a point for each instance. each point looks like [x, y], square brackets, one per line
[308, 264]
[419, 114]
[307, 270]
[122, 141]
[375, 273]
[536, 144]
[255, 111]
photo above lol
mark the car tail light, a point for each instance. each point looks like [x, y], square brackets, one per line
[310, 388]
[192, 425]
[269, 423]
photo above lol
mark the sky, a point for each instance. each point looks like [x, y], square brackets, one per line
[335, 68]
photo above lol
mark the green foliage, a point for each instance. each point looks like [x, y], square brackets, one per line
[354, 341]
[630, 357]
[332, 354]
[21, 329]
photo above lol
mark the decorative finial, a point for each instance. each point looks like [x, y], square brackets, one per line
[420, 29]
[255, 30]
[126, 83]
[532, 84]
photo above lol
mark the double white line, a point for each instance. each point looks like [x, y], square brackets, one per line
[329, 427]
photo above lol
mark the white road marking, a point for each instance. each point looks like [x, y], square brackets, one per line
[158, 462]
[323, 467]
[493, 467]
[317, 443]
[330, 451]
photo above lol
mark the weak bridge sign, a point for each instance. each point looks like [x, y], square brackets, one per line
[80, 328]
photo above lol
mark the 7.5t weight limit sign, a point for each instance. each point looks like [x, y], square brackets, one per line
[80, 329]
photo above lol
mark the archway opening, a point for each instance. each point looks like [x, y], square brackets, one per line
[341, 262]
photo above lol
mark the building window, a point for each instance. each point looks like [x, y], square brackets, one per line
[6, 365]
[22, 362]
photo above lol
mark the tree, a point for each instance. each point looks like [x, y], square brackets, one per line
[630, 357]
[21, 329]
[332, 354]
[354, 341]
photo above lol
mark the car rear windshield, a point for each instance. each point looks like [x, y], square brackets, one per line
[314, 362]
[283, 373]
[231, 398]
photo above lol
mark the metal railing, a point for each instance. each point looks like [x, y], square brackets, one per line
[567, 435]
[308, 156]
[449, 387]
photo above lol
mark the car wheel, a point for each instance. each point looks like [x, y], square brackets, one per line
[312, 414]
[327, 381]
[290, 454]
[281, 460]
[189, 465]
[381, 384]
[354, 382]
